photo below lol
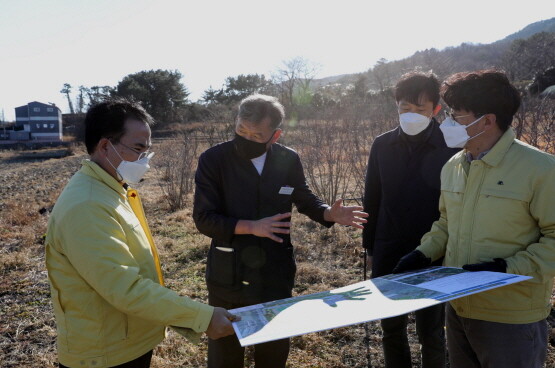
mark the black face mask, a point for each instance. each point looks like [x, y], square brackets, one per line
[249, 149]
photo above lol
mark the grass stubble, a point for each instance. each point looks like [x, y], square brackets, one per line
[326, 259]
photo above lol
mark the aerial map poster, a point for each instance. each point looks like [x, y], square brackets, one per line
[378, 298]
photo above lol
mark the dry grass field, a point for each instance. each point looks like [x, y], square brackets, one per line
[327, 258]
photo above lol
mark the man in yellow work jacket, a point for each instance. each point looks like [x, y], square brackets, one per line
[497, 213]
[107, 287]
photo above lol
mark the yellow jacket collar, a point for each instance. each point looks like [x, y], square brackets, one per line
[92, 169]
[499, 149]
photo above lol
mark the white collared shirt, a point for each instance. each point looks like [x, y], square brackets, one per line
[258, 163]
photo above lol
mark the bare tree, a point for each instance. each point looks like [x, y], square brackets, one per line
[382, 74]
[177, 162]
[325, 146]
[526, 57]
[534, 123]
[214, 133]
[294, 77]
[81, 100]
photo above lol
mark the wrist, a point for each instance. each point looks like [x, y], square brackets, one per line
[244, 227]
[327, 215]
[501, 264]
[250, 227]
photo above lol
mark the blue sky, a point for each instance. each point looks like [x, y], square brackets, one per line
[44, 44]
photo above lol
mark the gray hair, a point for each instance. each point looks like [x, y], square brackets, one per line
[255, 108]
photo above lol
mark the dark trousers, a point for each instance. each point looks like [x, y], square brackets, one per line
[141, 362]
[228, 353]
[430, 323]
[474, 343]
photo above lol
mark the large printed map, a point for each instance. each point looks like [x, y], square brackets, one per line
[365, 301]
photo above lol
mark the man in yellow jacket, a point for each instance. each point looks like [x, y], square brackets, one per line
[107, 287]
[497, 213]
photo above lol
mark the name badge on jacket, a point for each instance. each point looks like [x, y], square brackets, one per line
[286, 190]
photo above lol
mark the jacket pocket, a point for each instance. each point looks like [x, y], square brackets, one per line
[518, 196]
[116, 324]
[454, 187]
[221, 268]
[488, 251]
[61, 324]
[506, 215]
[85, 330]
[453, 197]
[514, 297]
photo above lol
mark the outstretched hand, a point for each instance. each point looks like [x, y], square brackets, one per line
[220, 323]
[346, 215]
[355, 294]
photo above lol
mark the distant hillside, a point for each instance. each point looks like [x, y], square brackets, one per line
[547, 25]
[452, 59]
[329, 80]
[336, 79]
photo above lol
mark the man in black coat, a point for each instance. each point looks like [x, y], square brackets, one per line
[245, 189]
[402, 198]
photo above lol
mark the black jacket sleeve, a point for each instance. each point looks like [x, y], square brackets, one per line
[208, 208]
[371, 200]
[307, 202]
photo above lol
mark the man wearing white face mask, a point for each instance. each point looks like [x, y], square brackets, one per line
[401, 196]
[131, 171]
[455, 133]
[497, 214]
[107, 286]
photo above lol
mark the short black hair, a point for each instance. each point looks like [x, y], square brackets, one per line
[414, 85]
[486, 91]
[106, 119]
[256, 108]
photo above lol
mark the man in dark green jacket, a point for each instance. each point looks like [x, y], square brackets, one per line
[497, 214]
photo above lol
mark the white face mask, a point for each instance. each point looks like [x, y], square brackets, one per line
[455, 134]
[413, 123]
[132, 171]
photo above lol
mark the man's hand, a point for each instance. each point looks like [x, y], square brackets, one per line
[220, 324]
[266, 227]
[497, 265]
[346, 215]
[355, 294]
[412, 261]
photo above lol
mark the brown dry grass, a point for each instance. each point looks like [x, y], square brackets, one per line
[327, 259]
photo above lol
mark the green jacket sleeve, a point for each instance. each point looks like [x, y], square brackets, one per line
[95, 244]
[538, 259]
[434, 242]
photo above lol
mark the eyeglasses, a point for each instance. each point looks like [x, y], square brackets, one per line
[144, 154]
[451, 115]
